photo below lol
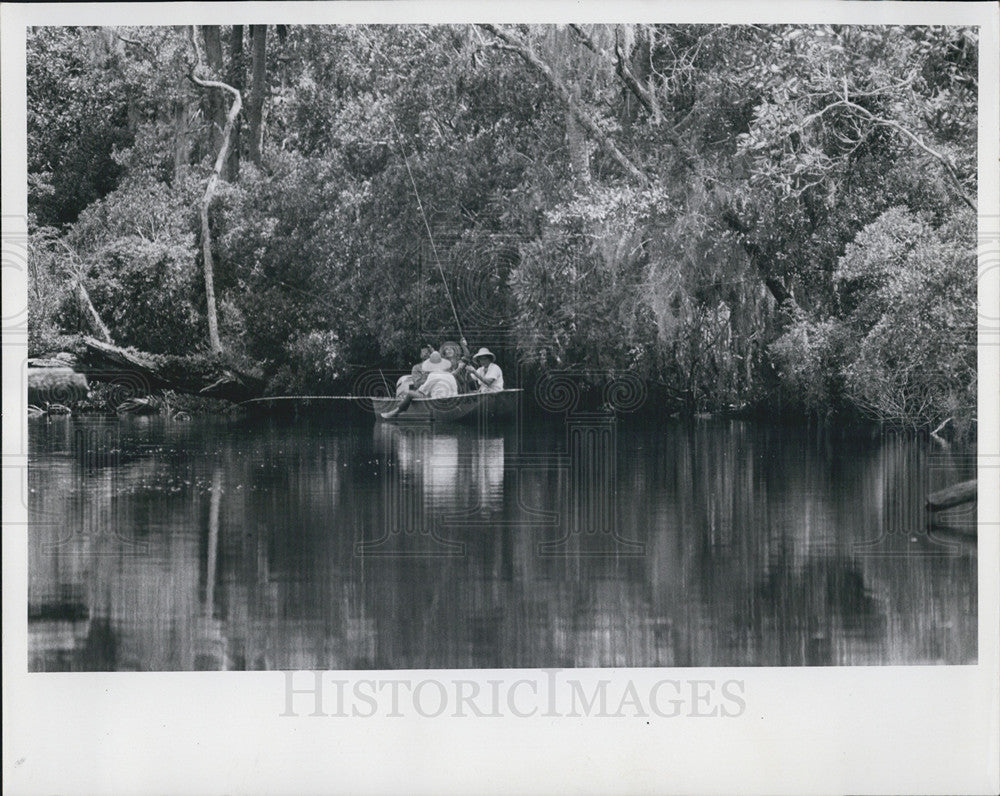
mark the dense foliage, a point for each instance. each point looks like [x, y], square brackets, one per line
[745, 216]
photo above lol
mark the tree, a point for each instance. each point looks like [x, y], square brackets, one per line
[213, 180]
[677, 200]
[258, 90]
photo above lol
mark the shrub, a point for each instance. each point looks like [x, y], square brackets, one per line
[914, 358]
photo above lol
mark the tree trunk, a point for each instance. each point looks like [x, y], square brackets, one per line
[258, 88]
[216, 102]
[206, 234]
[182, 135]
[235, 78]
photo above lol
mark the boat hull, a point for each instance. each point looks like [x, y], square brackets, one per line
[454, 409]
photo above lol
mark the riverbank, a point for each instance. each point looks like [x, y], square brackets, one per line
[107, 399]
[89, 376]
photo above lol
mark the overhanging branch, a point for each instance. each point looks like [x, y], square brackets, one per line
[946, 165]
[524, 50]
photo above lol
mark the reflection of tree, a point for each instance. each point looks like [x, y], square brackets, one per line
[749, 547]
[251, 563]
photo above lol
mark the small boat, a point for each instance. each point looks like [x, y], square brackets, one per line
[466, 406]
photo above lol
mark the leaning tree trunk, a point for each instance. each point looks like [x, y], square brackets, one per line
[90, 312]
[87, 309]
[206, 233]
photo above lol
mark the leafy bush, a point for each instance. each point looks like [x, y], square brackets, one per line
[313, 364]
[807, 359]
[144, 277]
[915, 330]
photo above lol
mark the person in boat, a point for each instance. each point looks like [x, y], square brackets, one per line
[456, 354]
[487, 373]
[438, 382]
[411, 381]
[415, 378]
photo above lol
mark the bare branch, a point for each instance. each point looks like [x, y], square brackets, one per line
[134, 43]
[949, 170]
[83, 297]
[646, 99]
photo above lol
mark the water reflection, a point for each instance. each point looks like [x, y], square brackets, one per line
[206, 546]
[459, 469]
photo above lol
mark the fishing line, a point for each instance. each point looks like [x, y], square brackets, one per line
[427, 226]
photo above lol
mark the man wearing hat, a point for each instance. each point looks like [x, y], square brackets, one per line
[487, 371]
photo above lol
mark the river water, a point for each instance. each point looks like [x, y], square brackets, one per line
[580, 542]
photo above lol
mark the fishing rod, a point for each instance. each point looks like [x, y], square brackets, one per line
[427, 226]
[269, 398]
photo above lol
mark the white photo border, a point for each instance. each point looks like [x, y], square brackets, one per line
[927, 729]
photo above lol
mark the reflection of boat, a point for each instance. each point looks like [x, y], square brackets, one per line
[457, 469]
[451, 409]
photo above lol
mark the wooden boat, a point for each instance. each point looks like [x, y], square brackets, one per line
[467, 406]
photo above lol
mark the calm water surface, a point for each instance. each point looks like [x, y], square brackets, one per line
[273, 544]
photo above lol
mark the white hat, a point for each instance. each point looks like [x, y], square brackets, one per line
[485, 352]
[435, 364]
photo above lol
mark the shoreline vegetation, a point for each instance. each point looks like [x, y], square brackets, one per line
[68, 383]
[762, 221]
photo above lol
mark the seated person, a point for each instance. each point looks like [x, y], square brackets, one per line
[412, 380]
[440, 382]
[455, 353]
[438, 385]
[433, 380]
[487, 372]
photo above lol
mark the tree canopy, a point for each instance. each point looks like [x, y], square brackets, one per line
[777, 216]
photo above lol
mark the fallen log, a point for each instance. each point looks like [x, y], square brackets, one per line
[206, 375]
[952, 496]
[62, 359]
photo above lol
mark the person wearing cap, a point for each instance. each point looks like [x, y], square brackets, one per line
[487, 372]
